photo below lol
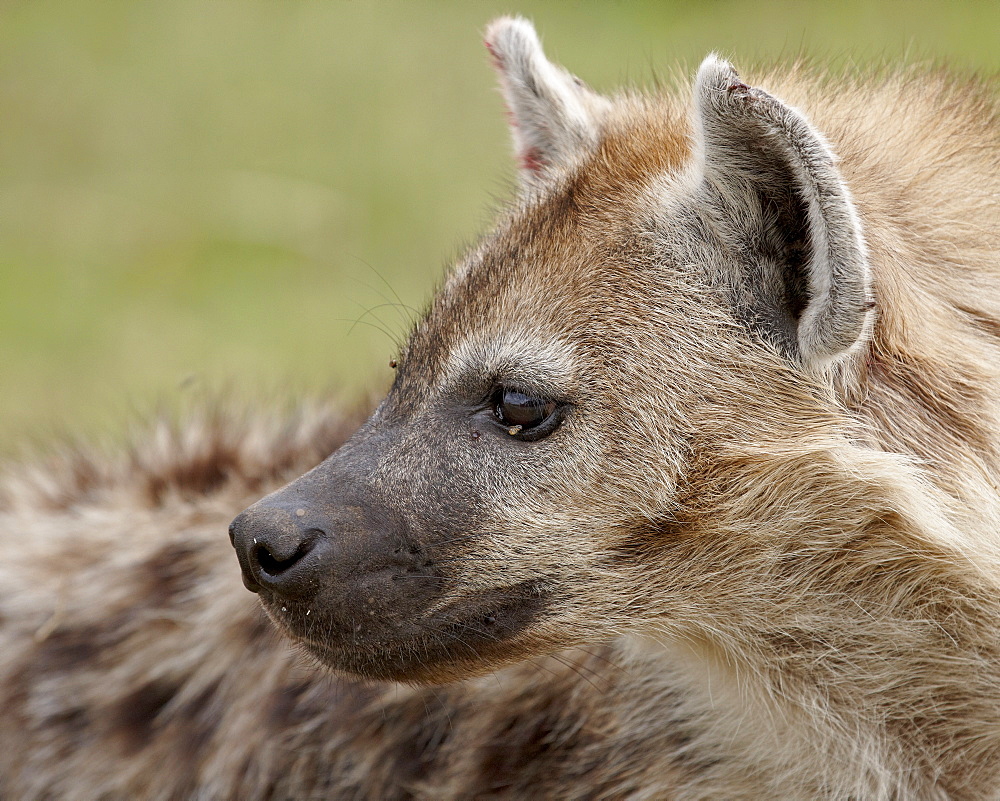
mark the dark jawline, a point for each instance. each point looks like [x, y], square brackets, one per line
[468, 639]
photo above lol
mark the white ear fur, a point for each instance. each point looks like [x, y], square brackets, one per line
[750, 145]
[553, 114]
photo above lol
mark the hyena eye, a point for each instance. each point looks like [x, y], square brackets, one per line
[520, 412]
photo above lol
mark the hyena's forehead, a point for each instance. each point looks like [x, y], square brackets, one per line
[554, 272]
[491, 330]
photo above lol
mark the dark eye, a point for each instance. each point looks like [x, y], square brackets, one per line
[520, 412]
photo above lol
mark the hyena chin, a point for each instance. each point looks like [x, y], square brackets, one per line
[686, 488]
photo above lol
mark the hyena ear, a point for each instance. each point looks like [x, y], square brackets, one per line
[553, 115]
[774, 193]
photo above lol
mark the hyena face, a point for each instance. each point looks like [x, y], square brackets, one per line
[673, 282]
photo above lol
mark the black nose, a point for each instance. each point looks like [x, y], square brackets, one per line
[279, 549]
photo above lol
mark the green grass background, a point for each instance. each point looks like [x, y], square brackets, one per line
[203, 196]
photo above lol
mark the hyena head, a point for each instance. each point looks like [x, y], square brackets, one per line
[590, 427]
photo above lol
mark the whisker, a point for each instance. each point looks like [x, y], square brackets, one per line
[437, 632]
[606, 660]
[388, 286]
[375, 308]
[395, 341]
[400, 307]
[577, 669]
[380, 323]
[482, 632]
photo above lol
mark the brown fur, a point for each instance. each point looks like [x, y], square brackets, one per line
[759, 582]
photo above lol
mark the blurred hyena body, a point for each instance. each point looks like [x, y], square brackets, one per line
[690, 475]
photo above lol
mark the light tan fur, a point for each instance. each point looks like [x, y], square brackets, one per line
[766, 577]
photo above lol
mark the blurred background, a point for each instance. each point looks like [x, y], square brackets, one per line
[252, 198]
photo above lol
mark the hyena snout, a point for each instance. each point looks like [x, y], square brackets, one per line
[280, 549]
[343, 560]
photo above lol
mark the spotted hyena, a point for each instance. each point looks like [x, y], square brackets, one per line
[686, 488]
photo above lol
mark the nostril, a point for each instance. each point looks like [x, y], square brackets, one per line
[273, 565]
[276, 552]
